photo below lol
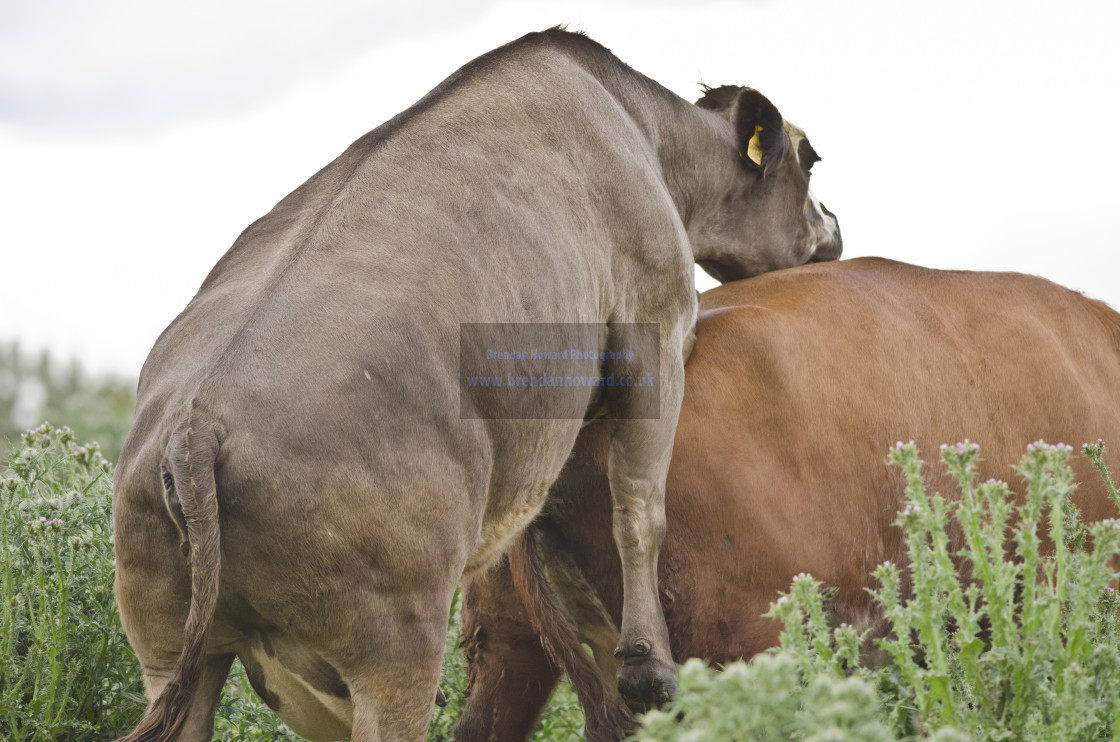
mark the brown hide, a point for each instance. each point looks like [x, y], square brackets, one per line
[520, 684]
[799, 383]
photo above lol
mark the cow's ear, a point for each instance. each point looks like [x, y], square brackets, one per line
[719, 99]
[759, 131]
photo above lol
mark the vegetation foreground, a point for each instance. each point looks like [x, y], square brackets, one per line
[1028, 650]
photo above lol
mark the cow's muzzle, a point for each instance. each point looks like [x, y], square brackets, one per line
[833, 245]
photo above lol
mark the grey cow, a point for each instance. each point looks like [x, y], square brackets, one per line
[307, 481]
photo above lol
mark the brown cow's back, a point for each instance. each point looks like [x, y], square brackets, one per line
[799, 383]
[785, 438]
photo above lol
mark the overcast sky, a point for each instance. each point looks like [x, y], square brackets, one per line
[138, 138]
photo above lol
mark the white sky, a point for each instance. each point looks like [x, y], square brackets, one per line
[137, 139]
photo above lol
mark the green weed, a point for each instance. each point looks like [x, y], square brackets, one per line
[1027, 649]
[66, 670]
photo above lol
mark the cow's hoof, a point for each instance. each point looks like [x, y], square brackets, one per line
[645, 683]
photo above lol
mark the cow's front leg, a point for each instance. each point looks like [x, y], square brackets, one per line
[638, 463]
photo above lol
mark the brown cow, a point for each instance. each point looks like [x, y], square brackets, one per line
[799, 383]
[304, 430]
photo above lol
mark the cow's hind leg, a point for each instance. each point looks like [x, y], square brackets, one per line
[637, 465]
[647, 676]
[393, 699]
[204, 701]
[391, 664]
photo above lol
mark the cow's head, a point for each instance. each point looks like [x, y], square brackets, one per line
[768, 217]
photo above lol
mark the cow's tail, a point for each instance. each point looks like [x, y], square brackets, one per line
[191, 498]
[606, 718]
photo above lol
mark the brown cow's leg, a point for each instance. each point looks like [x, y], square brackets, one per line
[511, 677]
[507, 700]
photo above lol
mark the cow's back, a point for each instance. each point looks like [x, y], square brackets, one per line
[327, 339]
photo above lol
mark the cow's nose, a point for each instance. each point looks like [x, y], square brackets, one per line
[833, 246]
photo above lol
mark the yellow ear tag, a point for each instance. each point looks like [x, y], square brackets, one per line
[754, 148]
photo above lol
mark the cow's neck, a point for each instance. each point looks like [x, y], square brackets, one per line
[700, 167]
[695, 148]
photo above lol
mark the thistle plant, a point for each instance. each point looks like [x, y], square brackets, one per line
[66, 671]
[1096, 452]
[1006, 630]
[767, 700]
[1007, 653]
